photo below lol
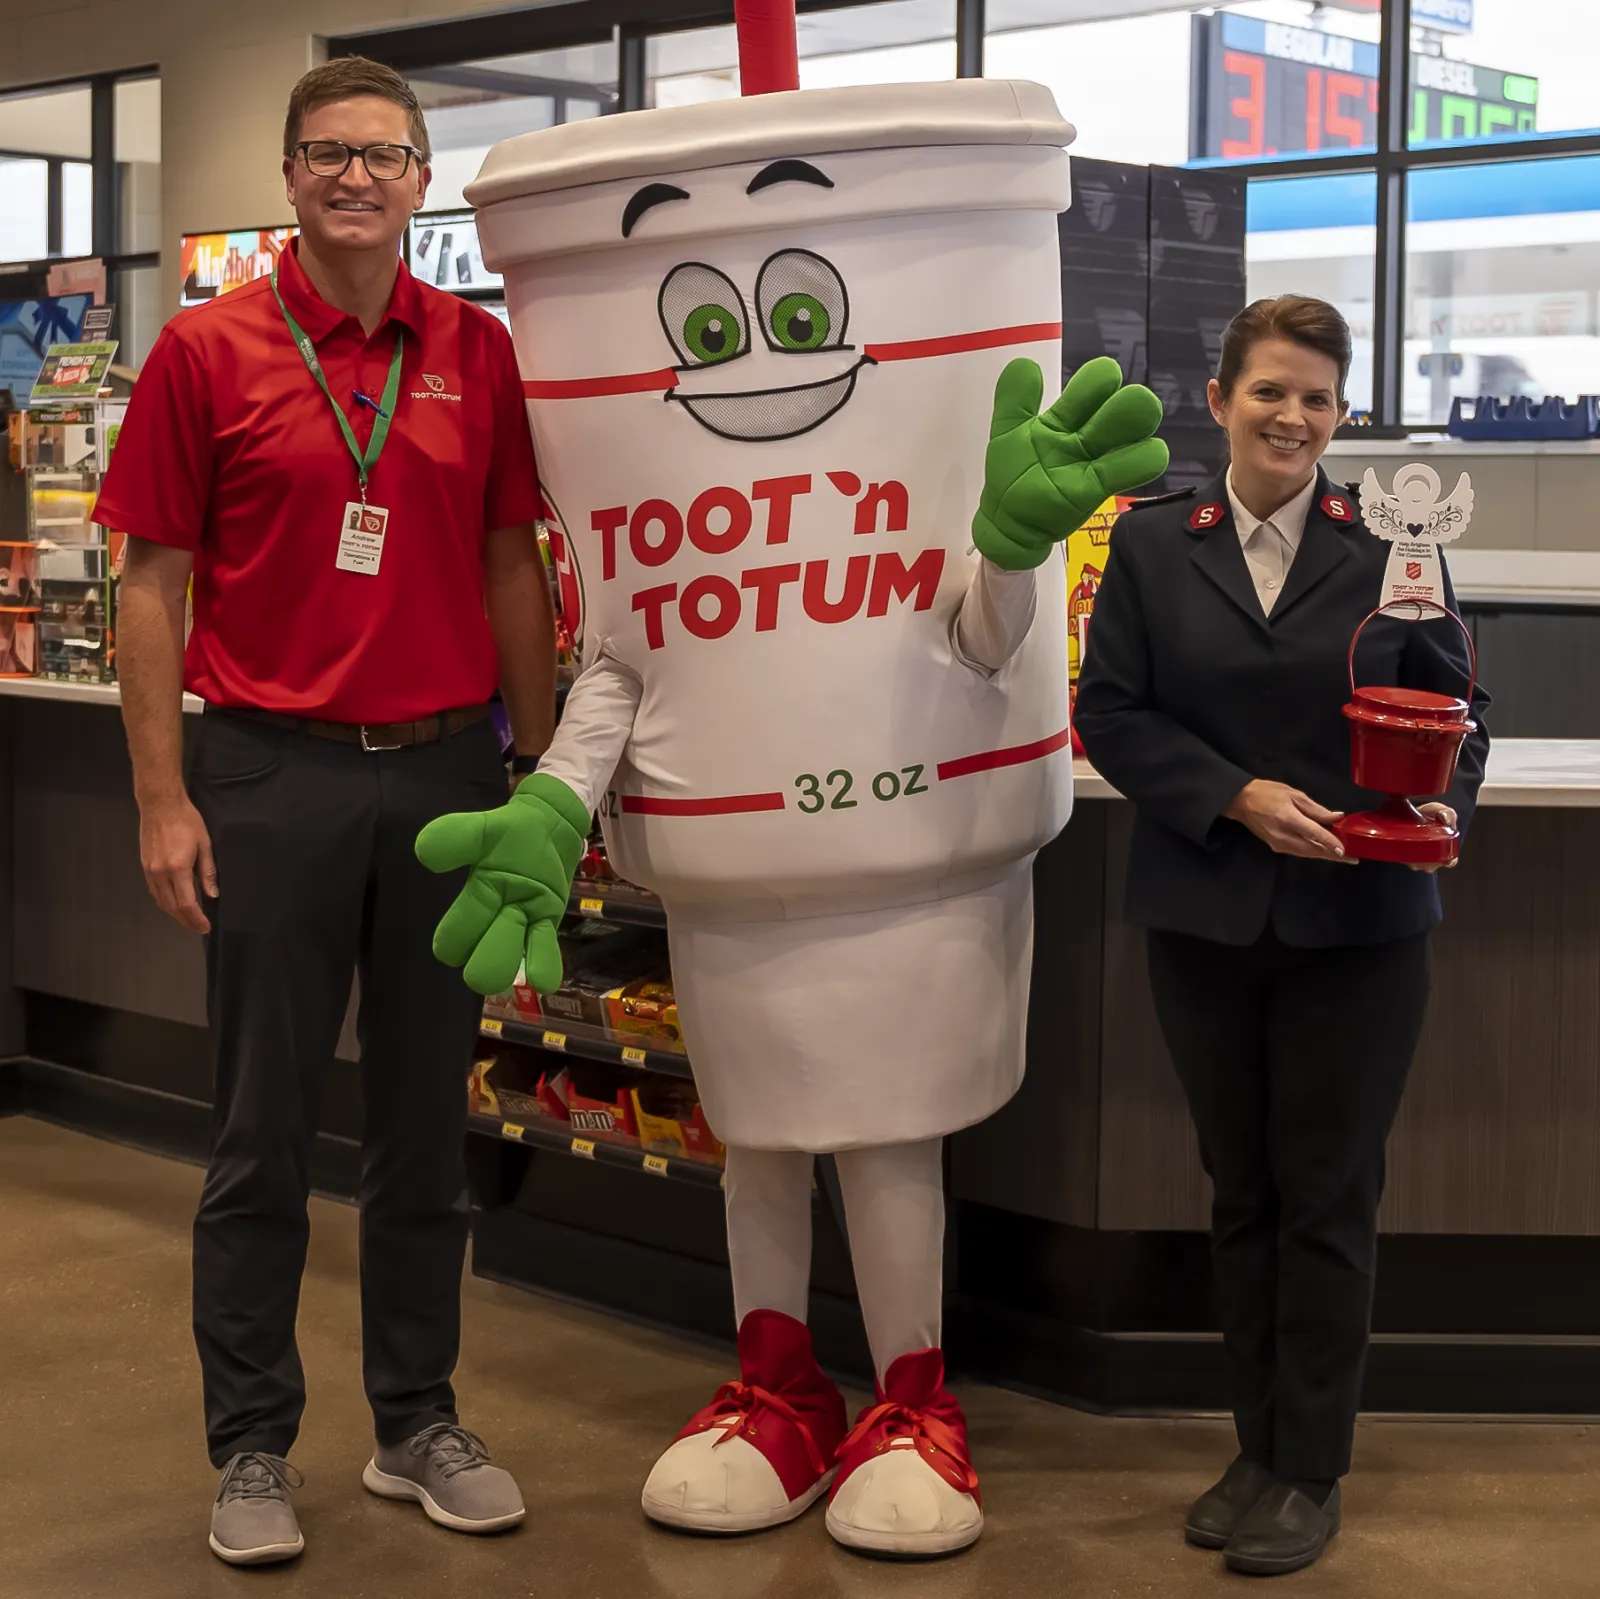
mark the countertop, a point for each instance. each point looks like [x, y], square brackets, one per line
[1525, 577]
[1549, 772]
[50, 688]
[1423, 445]
[1522, 771]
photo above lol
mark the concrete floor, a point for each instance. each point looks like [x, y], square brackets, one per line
[105, 1489]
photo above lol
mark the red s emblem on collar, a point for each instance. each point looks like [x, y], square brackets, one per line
[1206, 516]
[1338, 507]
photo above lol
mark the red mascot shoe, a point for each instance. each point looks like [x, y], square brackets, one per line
[906, 1485]
[761, 1453]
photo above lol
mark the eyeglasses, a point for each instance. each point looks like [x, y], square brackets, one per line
[331, 158]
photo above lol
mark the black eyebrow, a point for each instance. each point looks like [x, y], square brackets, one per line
[790, 171]
[651, 194]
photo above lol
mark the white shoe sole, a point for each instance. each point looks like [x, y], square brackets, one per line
[905, 1545]
[263, 1555]
[715, 1522]
[389, 1487]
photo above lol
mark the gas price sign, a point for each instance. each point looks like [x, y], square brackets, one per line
[1266, 88]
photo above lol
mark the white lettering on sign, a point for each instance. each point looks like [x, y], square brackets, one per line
[1315, 49]
[1539, 316]
[1453, 77]
[1444, 13]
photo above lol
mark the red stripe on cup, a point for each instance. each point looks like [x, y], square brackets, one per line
[726, 805]
[657, 382]
[958, 343]
[1015, 755]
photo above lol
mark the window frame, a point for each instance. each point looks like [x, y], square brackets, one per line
[632, 22]
[105, 220]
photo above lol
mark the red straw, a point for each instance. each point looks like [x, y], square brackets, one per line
[769, 59]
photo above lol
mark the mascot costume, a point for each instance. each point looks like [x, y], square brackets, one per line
[822, 708]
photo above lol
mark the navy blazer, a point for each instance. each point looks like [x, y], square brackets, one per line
[1189, 690]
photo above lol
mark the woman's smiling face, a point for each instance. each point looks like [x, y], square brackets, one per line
[1281, 413]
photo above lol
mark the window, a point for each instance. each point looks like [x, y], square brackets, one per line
[1487, 279]
[137, 141]
[1501, 264]
[1169, 84]
[24, 209]
[77, 208]
[896, 41]
[1318, 235]
[1483, 70]
[472, 106]
[41, 132]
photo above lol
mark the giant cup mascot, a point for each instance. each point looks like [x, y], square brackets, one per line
[783, 360]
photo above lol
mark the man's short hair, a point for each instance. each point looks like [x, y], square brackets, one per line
[343, 78]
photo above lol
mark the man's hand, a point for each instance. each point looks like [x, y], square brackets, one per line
[1044, 476]
[1287, 821]
[523, 857]
[173, 842]
[1438, 811]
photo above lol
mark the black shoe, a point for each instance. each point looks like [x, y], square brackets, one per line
[1215, 1514]
[1283, 1532]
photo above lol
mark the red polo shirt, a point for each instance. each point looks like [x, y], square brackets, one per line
[231, 450]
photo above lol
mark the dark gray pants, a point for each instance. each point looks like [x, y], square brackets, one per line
[1293, 1062]
[318, 880]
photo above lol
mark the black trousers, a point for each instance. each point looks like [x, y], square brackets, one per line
[318, 880]
[1293, 1062]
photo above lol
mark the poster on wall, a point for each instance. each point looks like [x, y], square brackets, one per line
[445, 252]
[215, 263]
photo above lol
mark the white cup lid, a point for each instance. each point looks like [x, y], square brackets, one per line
[802, 122]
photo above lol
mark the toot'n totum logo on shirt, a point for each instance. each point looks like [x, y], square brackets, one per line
[434, 390]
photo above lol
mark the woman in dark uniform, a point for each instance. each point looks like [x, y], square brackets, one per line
[1289, 980]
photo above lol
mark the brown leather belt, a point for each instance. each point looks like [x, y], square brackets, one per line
[388, 736]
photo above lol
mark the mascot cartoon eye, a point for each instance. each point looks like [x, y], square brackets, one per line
[802, 301]
[703, 315]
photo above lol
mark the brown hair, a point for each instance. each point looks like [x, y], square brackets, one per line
[1299, 318]
[342, 79]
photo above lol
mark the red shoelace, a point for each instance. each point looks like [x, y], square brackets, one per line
[735, 1409]
[936, 1441]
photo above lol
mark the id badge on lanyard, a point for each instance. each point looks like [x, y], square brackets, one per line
[362, 527]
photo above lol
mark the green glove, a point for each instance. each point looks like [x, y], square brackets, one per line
[523, 857]
[1045, 476]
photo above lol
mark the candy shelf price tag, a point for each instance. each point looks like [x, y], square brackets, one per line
[491, 1026]
[555, 1040]
[591, 907]
[512, 1130]
[656, 1164]
[583, 1147]
[634, 1057]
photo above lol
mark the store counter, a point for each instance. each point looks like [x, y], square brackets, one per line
[1079, 1262]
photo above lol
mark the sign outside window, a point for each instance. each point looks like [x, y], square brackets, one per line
[1267, 88]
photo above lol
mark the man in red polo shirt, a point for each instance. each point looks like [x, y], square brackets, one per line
[340, 458]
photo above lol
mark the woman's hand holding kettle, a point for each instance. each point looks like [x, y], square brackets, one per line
[1287, 821]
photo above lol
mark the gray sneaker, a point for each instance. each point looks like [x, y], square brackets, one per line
[252, 1522]
[446, 1470]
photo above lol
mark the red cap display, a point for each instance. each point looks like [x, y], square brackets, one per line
[769, 56]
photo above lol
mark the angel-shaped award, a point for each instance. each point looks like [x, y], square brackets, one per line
[1416, 520]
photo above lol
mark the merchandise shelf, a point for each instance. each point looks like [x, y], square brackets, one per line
[596, 1149]
[617, 902]
[571, 1038]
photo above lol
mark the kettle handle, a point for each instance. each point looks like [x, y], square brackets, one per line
[1432, 605]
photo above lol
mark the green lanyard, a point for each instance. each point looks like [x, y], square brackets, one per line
[391, 393]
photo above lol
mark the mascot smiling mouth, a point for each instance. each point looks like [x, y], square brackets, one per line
[756, 415]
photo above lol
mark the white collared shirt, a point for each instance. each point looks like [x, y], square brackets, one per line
[1269, 546]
